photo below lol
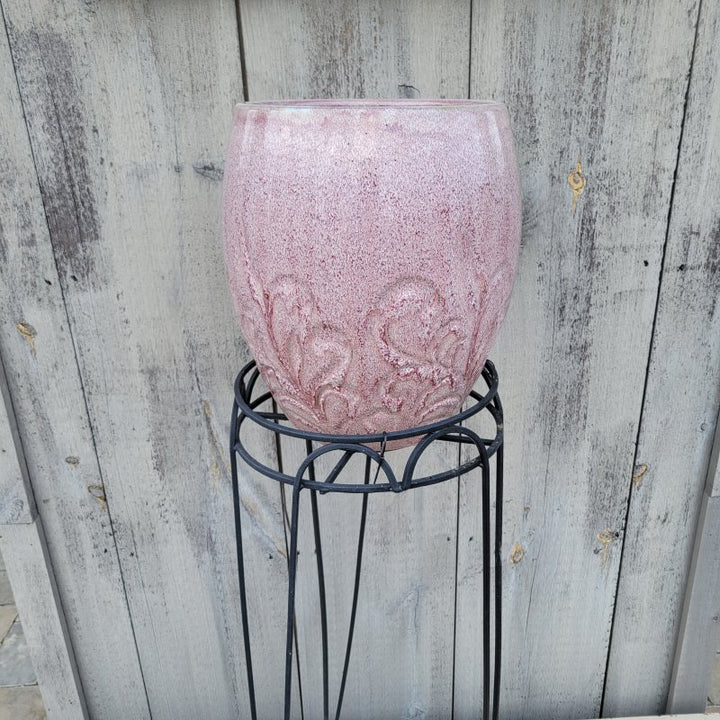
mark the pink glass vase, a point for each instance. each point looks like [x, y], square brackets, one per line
[371, 248]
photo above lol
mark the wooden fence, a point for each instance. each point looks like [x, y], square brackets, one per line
[119, 347]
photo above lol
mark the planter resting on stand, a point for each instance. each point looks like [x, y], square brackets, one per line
[371, 248]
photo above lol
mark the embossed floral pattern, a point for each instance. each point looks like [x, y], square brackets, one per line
[303, 361]
[425, 347]
[426, 353]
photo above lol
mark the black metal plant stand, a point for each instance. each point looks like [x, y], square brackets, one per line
[245, 410]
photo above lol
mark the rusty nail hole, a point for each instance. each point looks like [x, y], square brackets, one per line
[29, 333]
[576, 181]
[606, 538]
[517, 553]
[97, 491]
[639, 472]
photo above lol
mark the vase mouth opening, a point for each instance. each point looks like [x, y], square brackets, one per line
[371, 104]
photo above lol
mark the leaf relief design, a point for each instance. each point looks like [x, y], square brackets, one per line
[413, 363]
[303, 360]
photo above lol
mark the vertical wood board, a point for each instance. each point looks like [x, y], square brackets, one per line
[24, 550]
[317, 48]
[582, 84]
[680, 407]
[699, 632]
[712, 483]
[17, 504]
[48, 402]
[129, 107]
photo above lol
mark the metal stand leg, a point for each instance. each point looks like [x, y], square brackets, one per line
[356, 592]
[292, 577]
[321, 586]
[322, 594]
[498, 578]
[241, 563]
[486, 588]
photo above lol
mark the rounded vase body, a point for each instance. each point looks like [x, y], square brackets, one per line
[371, 249]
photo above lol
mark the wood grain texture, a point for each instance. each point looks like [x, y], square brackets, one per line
[24, 549]
[694, 716]
[17, 504]
[44, 384]
[319, 48]
[129, 107]
[680, 407]
[712, 484]
[699, 627]
[583, 83]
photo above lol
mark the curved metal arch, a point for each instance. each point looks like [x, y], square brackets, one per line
[352, 448]
[444, 434]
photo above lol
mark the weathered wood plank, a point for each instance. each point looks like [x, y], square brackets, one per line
[17, 504]
[315, 48]
[405, 611]
[694, 716]
[713, 479]
[699, 627]
[583, 83]
[24, 549]
[680, 407]
[129, 107]
[49, 406]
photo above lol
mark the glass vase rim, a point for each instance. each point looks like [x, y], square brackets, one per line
[371, 104]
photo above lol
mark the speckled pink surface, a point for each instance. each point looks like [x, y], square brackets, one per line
[371, 250]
